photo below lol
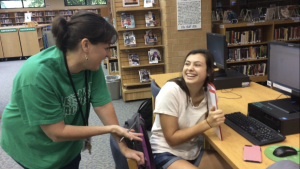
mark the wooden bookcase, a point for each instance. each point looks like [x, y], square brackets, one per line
[111, 15]
[237, 5]
[132, 88]
[12, 18]
[18, 41]
[267, 27]
[1, 50]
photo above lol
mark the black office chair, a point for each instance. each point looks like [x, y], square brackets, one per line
[154, 90]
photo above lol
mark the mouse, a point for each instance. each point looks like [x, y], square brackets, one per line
[284, 151]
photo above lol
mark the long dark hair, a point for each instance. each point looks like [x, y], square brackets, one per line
[82, 25]
[209, 58]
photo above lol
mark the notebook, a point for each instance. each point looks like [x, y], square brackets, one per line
[213, 96]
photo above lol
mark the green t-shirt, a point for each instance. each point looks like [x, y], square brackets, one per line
[43, 94]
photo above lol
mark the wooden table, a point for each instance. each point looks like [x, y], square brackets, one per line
[231, 148]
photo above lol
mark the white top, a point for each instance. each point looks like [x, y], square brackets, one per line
[171, 100]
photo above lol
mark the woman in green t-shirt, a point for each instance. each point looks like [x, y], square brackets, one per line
[45, 125]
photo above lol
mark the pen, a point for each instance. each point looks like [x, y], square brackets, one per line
[127, 132]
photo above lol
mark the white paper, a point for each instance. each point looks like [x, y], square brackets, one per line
[27, 17]
[213, 97]
[188, 14]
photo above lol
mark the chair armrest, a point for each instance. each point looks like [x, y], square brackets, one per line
[132, 164]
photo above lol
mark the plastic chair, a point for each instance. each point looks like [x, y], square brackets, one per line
[154, 90]
[121, 161]
[119, 158]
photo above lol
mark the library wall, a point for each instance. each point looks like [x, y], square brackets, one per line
[179, 43]
[59, 4]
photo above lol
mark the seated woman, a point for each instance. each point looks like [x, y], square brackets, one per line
[182, 108]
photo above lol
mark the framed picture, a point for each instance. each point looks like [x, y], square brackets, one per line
[128, 3]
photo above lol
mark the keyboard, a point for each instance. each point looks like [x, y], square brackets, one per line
[253, 130]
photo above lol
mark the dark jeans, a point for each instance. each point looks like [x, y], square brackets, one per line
[74, 164]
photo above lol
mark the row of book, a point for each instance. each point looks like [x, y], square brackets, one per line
[244, 37]
[127, 20]
[49, 18]
[247, 53]
[4, 15]
[19, 20]
[251, 70]
[18, 14]
[38, 19]
[50, 13]
[113, 53]
[4, 21]
[289, 33]
[36, 14]
[66, 12]
[153, 55]
[113, 66]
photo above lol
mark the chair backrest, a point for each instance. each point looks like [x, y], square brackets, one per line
[119, 158]
[154, 89]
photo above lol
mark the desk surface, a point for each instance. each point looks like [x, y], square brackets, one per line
[231, 148]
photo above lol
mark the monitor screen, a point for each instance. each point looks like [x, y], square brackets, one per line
[284, 65]
[217, 45]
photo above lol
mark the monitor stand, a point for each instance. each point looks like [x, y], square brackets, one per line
[286, 105]
[220, 73]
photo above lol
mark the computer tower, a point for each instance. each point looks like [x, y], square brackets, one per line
[276, 118]
[232, 80]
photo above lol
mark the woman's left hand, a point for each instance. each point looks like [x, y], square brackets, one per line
[132, 154]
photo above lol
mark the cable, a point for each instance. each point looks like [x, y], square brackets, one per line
[230, 92]
[278, 96]
[291, 104]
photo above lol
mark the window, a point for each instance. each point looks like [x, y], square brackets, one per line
[5, 4]
[84, 2]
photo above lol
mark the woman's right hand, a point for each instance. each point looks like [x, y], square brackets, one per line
[121, 131]
[215, 117]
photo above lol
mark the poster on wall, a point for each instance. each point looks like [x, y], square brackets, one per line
[188, 14]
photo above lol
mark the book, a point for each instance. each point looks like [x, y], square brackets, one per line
[128, 3]
[133, 59]
[148, 3]
[213, 96]
[129, 39]
[154, 56]
[144, 75]
[150, 19]
[150, 38]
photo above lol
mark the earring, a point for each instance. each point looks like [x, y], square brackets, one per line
[86, 57]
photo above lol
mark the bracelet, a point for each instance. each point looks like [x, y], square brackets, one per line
[208, 123]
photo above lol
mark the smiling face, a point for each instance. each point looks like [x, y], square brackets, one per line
[96, 54]
[195, 69]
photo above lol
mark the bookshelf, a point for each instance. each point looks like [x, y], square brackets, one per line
[267, 34]
[237, 5]
[18, 41]
[132, 88]
[112, 63]
[12, 18]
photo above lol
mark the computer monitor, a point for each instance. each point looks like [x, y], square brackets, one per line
[283, 72]
[217, 45]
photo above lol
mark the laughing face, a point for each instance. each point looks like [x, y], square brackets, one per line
[194, 70]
